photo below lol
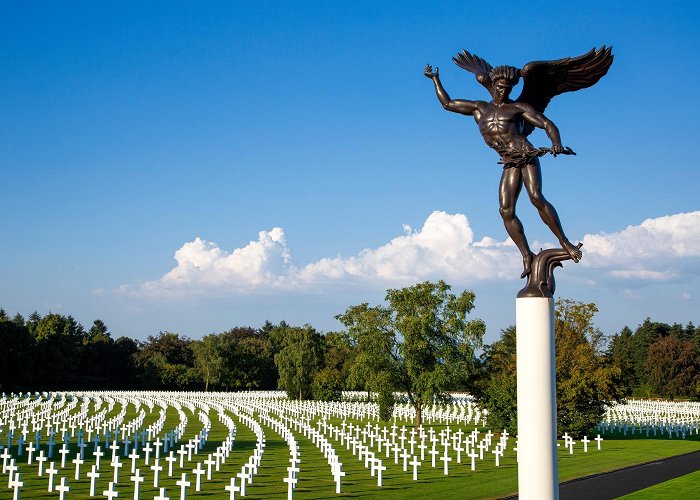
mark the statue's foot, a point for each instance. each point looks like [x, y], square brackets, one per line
[527, 265]
[573, 250]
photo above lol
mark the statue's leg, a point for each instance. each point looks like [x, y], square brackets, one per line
[532, 178]
[508, 192]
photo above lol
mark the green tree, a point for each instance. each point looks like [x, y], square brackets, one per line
[166, 361]
[58, 341]
[672, 366]
[419, 344]
[621, 351]
[209, 358]
[299, 359]
[17, 359]
[587, 380]
[498, 389]
[248, 359]
[327, 385]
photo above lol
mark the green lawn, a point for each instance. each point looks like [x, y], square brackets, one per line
[316, 482]
[687, 486]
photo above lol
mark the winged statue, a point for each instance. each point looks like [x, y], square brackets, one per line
[506, 124]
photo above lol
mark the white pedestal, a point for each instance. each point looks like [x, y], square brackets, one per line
[537, 410]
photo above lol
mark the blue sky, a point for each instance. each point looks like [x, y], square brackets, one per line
[130, 129]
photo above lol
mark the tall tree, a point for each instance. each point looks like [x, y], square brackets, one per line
[166, 361]
[58, 341]
[621, 351]
[419, 344]
[209, 358]
[299, 359]
[587, 380]
[17, 359]
[673, 367]
[498, 389]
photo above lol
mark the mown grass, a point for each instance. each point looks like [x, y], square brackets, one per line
[316, 482]
[687, 486]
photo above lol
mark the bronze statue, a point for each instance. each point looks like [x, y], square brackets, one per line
[505, 125]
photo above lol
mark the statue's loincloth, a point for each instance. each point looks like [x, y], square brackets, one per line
[516, 159]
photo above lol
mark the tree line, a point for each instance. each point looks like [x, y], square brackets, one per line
[421, 343]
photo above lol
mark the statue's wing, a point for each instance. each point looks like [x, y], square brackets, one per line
[542, 80]
[475, 64]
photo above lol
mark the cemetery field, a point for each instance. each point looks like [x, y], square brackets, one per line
[174, 445]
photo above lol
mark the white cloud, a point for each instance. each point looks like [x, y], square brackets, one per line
[203, 265]
[444, 248]
[660, 249]
[670, 236]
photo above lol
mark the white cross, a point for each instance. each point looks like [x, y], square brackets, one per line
[170, 459]
[183, 484]
[5, 457]
[156, 468]
[599, 440]
[242, 476]
[62, 489]
[51, 471]
[198, 471]
[446, 459]
[232, 488]
[117, 465]
[148, 451]
[585, 442]
[98, 453]
[137, 479]
[133, 456]
[93, 475]
[12, 468]
[337, 474]
[218, 456]
[161, 495]
[433, 453]
[78, 462]
[379, 468]
[405, 455]
[499, 453]
[16, 483]
[30, 455]
[110, 492]
[41, 459]
[182, 452]
[415, 463]
[473, 455]
[209, 462]
[63, 451]
[158, 444]
[115, 449]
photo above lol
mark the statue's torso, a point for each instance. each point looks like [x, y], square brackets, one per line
[501, 127]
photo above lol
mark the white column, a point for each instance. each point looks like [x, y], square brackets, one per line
[537, 406]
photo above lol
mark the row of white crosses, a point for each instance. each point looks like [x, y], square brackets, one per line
[667, 418]
[570, 442]
[127, 430]
[143, 446]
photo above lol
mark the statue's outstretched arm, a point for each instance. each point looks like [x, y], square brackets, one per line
[540, 121]
[455, 105]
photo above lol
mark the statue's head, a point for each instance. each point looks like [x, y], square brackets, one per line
[503, 79]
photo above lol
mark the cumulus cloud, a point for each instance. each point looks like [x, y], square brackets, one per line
[202, 265]
[443, 248]
[656, 250]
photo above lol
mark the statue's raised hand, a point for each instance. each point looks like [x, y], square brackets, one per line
[429, 72]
